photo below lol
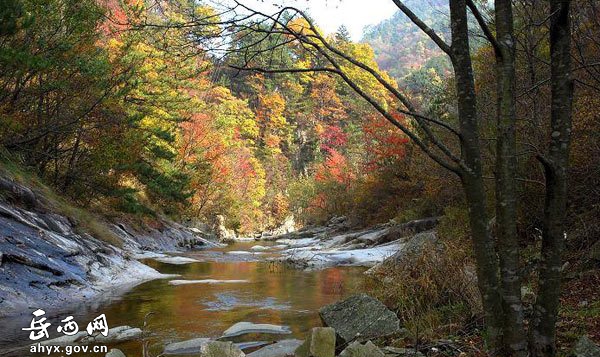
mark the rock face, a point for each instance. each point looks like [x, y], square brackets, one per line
[320, 343]
[358, 350]
[282, 348]
[359, 318]
[47, 261]
[220, 349]
[223, 234]
[586, 348]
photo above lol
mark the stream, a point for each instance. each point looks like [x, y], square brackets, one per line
[272, 293]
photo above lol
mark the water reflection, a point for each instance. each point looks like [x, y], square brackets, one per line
[279, 296]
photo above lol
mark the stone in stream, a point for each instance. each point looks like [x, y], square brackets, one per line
[586, 348]
[282, 348]
[176, 260]
[220, 349]
[115, 353]
[356, 349]
[320, 343]
[185, 347]
[115, 335]
[359, 318]
[242, 328]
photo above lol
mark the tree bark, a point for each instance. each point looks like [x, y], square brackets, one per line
[472, 177]
[514, 337]
[556, 165]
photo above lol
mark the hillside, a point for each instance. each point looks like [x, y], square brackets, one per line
[400, 46]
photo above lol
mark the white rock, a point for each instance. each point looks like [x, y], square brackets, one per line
[242, 328]
[206, 281]
[176, 260]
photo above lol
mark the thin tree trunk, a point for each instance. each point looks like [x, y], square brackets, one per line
[472, 178]
[514, 337]
[556, 165]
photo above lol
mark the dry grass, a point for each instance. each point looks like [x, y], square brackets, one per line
[434, 291]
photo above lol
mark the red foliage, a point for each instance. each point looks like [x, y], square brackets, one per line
[335, 168]
[386, 142]
[333, 137]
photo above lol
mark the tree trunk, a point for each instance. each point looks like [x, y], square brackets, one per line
[556, 165]
[472, 178]
[514, 337]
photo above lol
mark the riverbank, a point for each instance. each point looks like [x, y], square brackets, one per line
[48, 261]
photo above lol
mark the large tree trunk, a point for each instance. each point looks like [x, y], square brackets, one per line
[472, 178]
[556, 165]
[514, 337]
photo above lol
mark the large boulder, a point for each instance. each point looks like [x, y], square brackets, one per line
[320, 343]
[359, 318]
[356, 349]
[586, 348]
[420, 243]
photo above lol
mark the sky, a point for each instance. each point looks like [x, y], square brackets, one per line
[331, 14]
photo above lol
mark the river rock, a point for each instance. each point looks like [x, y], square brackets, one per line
[320, 343]
[115, 335]
[359, 318]
[242, 328]
[220, 349]
[176, 260]
[64, 340]
[185, 347]
[585, 347]
[282, 348]
[115, 353]
[356, 349]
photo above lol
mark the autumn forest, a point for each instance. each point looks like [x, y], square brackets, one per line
[480, 114]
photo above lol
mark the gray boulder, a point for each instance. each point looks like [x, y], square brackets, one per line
[320, 343]
[282, 348]
[186, 347]
[358, 350]
[220, 349]
[359, 318]
[586, 348]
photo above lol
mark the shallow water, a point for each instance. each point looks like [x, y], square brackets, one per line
[273, 294]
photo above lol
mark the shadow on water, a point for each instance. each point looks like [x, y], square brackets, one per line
[273, 294]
